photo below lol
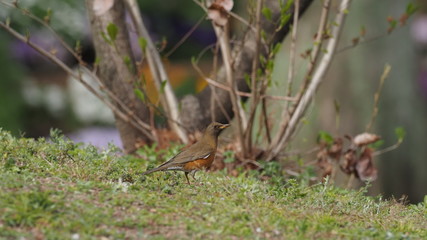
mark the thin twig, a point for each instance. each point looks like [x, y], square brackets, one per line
[387, 149]
[377, 95]
[185, 37]
[254, 90]
[49, 28]
[242, 20]
[265, 118]
[291, 69]
[368, 40]
[316, 80]
[215, 96]
[245, 94]
[158, 71]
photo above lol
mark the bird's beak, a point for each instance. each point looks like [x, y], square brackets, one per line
[224, 126]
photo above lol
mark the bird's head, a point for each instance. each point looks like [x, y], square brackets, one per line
[215, 128]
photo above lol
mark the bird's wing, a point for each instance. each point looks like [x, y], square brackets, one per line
[192, 153]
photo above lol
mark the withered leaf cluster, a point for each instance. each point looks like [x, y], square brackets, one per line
[355, 159]
[219, 10]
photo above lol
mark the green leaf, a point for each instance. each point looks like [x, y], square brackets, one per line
[411, 9]
[112, 31]
[284, 19]
[324, 136]
[27, 34]
[400, 133]
[97, 60]
[106, 39]
[288, 5]
[142, 43]
[128, 63]
[267, 13]
[248, 79]
[263, 34]
[262, 60]
[78, 45]
[377, 144]
[193, 60]
[48, 16]
[228, 157]
[139, 94]
[337, 106]
[162, 86]
[393, 23]
[276, 48]
[244, 104]
[269, 66]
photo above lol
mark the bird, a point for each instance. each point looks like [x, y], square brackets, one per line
[198, 156]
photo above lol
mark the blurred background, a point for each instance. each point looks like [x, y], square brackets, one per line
[36, 95]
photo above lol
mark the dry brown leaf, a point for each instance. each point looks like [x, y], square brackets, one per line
[218, 11]
[365, 169]
[102, 6]
[227, 5]
[336, 149]
[349, 162]
[365, 139]
[324, 163]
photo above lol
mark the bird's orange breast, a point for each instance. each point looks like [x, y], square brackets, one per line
[200, 163]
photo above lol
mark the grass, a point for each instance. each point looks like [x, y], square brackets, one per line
[59, 190]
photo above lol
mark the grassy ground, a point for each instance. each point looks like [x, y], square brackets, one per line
[59, 190]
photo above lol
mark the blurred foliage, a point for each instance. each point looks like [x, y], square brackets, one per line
[62, 13]
[12, 103]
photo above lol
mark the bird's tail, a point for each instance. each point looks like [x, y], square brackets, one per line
[151, 171]
[160, 168]
[164, 167]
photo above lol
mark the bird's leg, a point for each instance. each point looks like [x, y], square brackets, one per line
[186, 176]
[193, 174]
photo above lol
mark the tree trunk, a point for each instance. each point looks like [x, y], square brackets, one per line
[114, 72]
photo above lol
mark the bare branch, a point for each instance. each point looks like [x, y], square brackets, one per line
[313, 59]
[292, 51]
[385, 74]
[245, 94]
[316, 80]
[387, 149]
[222, 35]
[185, 37]
[255, 63]
[158, 71]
